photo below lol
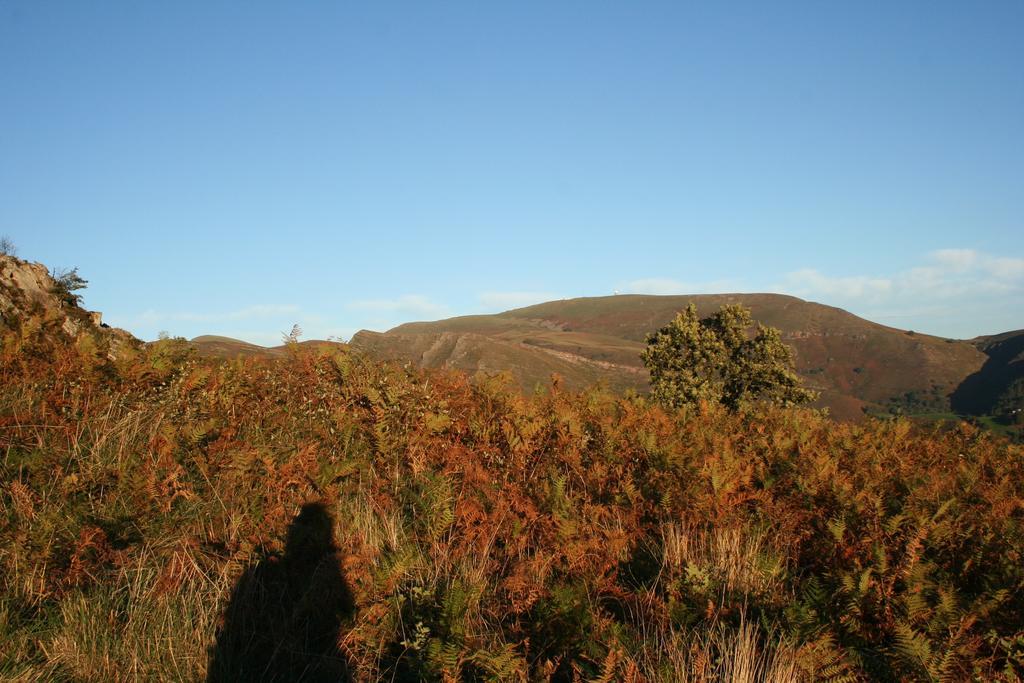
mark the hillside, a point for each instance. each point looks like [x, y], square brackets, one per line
[997, 388]
[214, 346]
[314, 516]
[305, 513]
[857, 365]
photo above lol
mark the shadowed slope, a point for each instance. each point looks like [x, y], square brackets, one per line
[998, 387]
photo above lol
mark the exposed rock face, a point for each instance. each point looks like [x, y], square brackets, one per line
[27, 289]
[24, 286]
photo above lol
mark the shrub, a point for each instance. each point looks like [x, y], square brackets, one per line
[66, 283]
[468, 532]
[713, 359]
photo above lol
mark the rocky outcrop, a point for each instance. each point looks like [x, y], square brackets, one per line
[28, 290]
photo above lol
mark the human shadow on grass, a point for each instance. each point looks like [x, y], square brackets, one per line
[286, 613]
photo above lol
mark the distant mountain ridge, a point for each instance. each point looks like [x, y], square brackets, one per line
[857, 365]
[215, 346]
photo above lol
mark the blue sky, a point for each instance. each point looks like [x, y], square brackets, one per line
[237, 167]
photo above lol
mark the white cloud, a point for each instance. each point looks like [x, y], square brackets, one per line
[946, 274]
[663, 286]
[410, 304]
[948, 291]
[503, 301]
[809, 281]
[956, 260]
[1007, 268]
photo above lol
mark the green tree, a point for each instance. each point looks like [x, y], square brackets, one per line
[715, 359]
[66, 283]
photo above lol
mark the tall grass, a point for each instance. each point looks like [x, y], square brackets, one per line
[480, 534]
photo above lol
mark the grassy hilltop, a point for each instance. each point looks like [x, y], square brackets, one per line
[317, 514]
[858, 366]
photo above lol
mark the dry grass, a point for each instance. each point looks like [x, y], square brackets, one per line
[483, 535]
[741, 560]
[138, 627]
[727, 655]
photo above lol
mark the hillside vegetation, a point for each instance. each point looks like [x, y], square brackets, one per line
[857, 366]
[319, 514]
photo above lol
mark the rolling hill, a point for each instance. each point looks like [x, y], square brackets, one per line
[998, 386]
[214, 346]
[857, 365]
